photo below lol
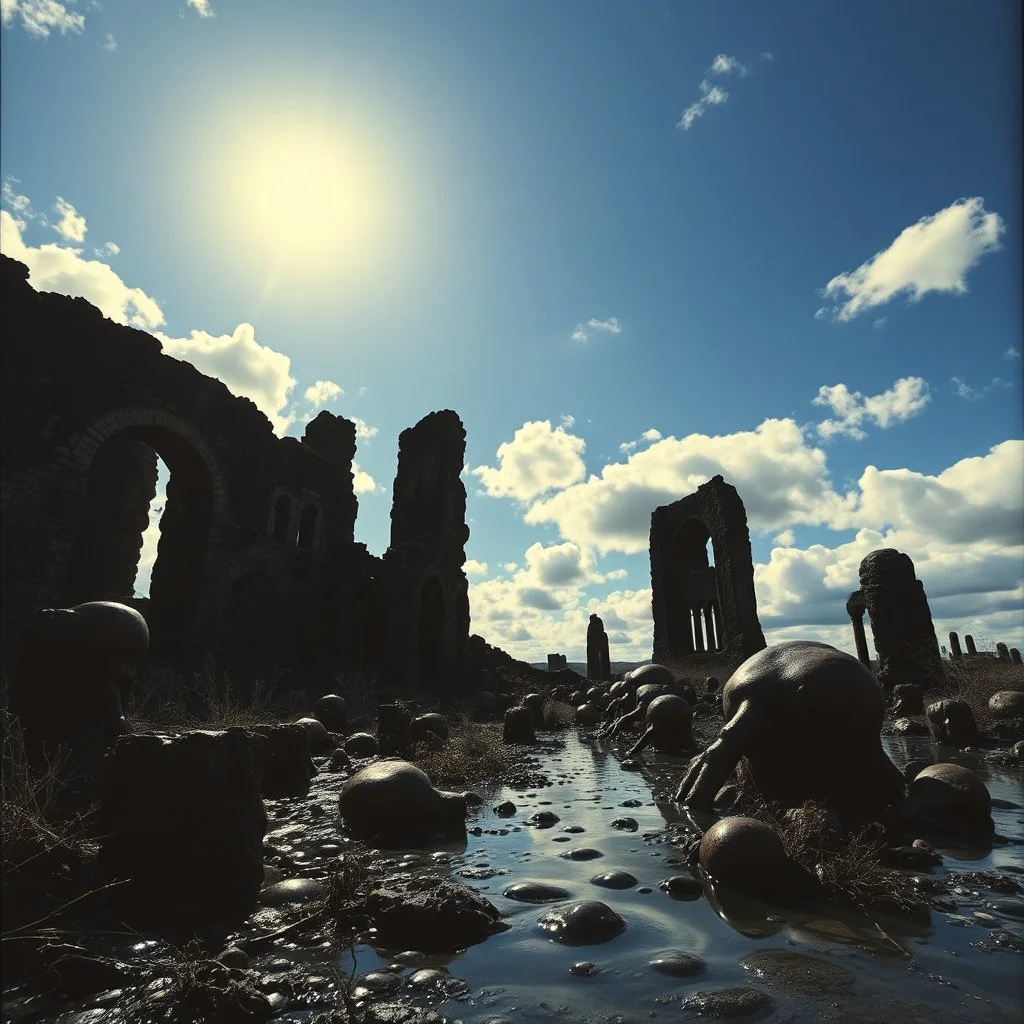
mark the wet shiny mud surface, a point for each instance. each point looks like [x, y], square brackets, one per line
[677, 953]
[599, 832]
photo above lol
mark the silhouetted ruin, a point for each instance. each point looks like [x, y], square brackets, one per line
[955, 650]
[855, 608]
[701, 608]
[901, 621]
[257, 559]
[556, 662]
[598, 659]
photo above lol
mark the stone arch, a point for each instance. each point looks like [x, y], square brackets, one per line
[701, 608]
[114, 460]
[430, 631]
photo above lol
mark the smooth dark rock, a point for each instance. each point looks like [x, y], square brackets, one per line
[614, 880]
[798, 973]
[625, 824]
[535, 892]
[361, 744]
[581, 853]
[677, 964]
[728, 1002]
[581, 924]
[682, 887]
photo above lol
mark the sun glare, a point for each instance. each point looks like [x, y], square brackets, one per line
[306, 198]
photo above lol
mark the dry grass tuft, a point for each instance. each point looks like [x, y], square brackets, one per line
[848, 866]
[558, 715]
[473, 756]
[208, 698]
[974, 680]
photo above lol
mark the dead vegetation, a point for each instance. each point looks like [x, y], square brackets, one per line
[558, 714]
[473, 756]
[974, 680]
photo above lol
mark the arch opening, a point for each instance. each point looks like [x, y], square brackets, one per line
[694, 615]
[143, 531]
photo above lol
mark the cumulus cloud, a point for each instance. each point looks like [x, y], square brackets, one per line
[249, 369]
[21, 205]
[41, 17]
[782, 478]
[321, 392]
[536, 460]
[363, 429]
[933, 255]
[471, 567]
[110, 43]
[906, 398]
[202, 7]
[107, 249]
[71, 225]
[582, 331]
[1012, 353]
[363, 483]
[963, 390]
[56, 268]
[567, 421]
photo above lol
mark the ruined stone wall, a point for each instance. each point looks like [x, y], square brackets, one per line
[686, 589]
[85, 401]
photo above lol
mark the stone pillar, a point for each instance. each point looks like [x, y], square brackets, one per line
[1002, 651]
[1015, 656]
[597, 650]
[954, 646]
[969, 641]
[855, 608]
[698, 631]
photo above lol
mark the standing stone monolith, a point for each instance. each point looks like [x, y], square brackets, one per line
[598, 661]
[901, 621]
[954, 646]
[1015, 656]
[969, 642]
[855, 608]
[1002, 651]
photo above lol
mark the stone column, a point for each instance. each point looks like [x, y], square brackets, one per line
[698, 630]
[969, 641]
[1015, 656]
[954, 646]
[1002, 651]
[855, 608]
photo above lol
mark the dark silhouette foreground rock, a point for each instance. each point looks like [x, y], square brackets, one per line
[73, 676]
[395, 802]
[806, 719]
[184, 822]
[519, 726]
[669, 726]
[947, 799]
[952, 722]
[582, 924]
[430, 914]
[288, 766]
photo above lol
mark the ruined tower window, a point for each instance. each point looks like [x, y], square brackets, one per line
[282, 518]
[307, 527]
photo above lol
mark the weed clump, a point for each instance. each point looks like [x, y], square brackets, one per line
[472, 756]
[558, 715]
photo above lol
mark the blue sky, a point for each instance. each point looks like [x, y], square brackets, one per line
[631, 244]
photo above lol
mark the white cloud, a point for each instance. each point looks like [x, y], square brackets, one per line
[39, 17]
[110, 43]
[581, 333]
[202, 7]
[933, 255]
[249, 369]
[363, 429]
[321, 392]
[57, 268]
[880, 323]
[616, 574]
[1012, 353]
[510, 566]
[471, 567]
[363, 482]
[71, 225]
[964, 390]
[362, 391]
[536, 460]
[782, 480]
[107, 249]
[907, 397]
[786, 539]
[651, 435]
[567, 421]
[21, 205]
[713, 95]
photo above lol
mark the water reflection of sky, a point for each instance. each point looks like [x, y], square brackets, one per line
[523, 975]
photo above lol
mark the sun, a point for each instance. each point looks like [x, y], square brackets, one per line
[306, 197]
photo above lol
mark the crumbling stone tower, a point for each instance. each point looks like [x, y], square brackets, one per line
[901, 621]
[699, 608]
[426, 588]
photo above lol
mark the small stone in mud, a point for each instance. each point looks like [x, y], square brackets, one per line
[728, 1002]
[376, 983]
[410, 957]
[505, 809]
[796, 972]
[429, 977]
[575, 829]
[625, 824]
[583, 923]
[682, 887]
[545, 819]
[561, 839]
[629, 765]
[677, 964]
[584, 969]
[614, 880]
[582, 853]
[361, 744]
[535, 892]
[293, 890]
